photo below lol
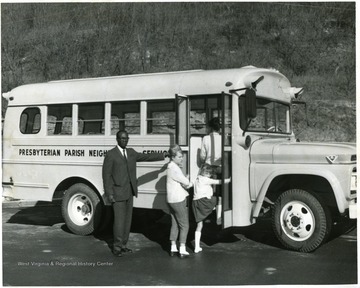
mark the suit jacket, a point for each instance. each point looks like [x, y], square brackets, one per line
[119, 174]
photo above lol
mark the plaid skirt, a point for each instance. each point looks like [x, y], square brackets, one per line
[203, 207]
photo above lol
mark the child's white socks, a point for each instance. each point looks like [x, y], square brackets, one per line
[197, 242]
[218, 211]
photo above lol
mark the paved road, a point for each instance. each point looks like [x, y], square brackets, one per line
[39, 250]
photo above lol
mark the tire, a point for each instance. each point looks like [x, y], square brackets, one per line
[81, 209]
[300, 221]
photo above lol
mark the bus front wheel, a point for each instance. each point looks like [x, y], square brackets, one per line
[81, 209]
[300, 221]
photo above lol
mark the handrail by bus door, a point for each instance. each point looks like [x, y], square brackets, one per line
[226, 116]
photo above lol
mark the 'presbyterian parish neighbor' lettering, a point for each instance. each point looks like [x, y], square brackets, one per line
[66, 152]
[73, 152]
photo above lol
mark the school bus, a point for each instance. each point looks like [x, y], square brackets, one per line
[56, 134]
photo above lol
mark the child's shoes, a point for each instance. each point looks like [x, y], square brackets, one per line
[197, 250]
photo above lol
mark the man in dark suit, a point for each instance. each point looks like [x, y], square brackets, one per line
[119, 177]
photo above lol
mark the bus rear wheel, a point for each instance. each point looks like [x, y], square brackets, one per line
[81, 209]
[300, 221]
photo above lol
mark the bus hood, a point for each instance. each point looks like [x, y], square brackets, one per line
[281, 152]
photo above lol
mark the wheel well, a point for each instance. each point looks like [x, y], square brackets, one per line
[314, 184]
[67, 183]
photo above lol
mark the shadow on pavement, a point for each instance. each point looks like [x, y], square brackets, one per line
[155, 225]
[342, 226]
[42, 214]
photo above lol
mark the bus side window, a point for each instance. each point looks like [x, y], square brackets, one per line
[198, 116]
[160, 117]
[125, 116]
[257, 123]
[80, 126]
[59, 120]
[91, 118]
[202, 109]
[30, 121]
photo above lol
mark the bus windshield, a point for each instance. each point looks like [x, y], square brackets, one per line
[271, 116]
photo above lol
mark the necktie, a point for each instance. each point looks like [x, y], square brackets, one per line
[124, 152]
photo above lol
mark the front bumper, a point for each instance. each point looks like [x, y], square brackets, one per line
[353, 209]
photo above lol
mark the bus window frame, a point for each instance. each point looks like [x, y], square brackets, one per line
[149, 120]
[209, 114]
[30, 123]
[60, 133]
[122, 121]
[86, 121]
[243, 115]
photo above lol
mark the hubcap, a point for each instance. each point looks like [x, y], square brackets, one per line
[295, 221]
[298, 221]
[80, 209]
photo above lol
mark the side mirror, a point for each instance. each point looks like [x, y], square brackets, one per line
[250, 103]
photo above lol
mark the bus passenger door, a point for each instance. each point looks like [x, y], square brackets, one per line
[189, 145]
[192, 115]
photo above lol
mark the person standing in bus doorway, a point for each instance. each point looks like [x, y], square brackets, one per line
[210, 153]
[119, 177]
[176, 185]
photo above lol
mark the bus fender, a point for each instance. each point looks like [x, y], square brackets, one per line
[328, 175]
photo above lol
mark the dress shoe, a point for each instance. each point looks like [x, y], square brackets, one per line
[126, 250]
[117, 253]
[173, 253]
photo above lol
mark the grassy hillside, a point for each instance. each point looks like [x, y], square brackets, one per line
[313, 44]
